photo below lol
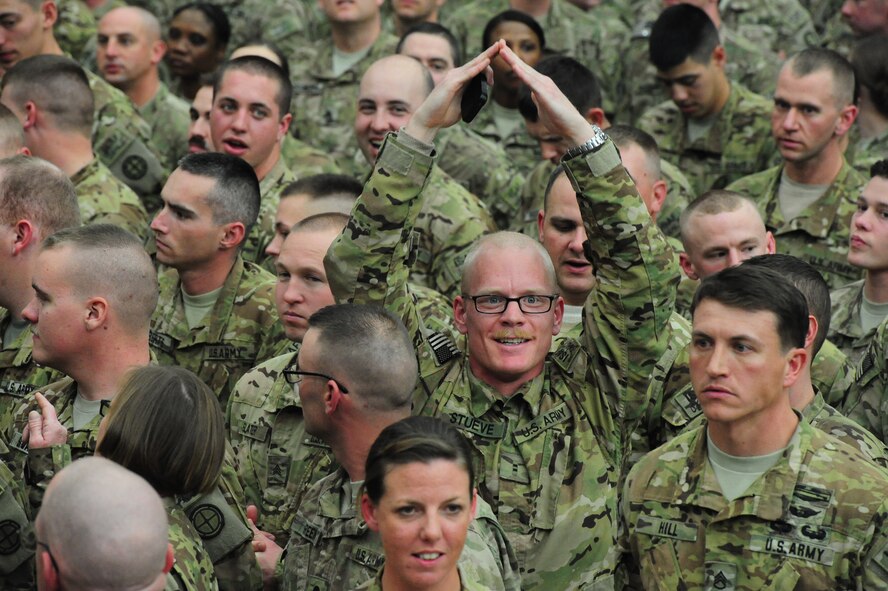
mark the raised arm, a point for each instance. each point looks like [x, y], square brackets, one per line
[626, 315]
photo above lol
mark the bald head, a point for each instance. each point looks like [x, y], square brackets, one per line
[392, 89]
[135, 18]
[106, 528]
[501, 244]
[128, 50]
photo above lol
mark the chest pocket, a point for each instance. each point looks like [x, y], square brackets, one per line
[660, 569]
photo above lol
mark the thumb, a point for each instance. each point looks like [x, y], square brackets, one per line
[35, 426]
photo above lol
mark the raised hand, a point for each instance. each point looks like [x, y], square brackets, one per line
[44, 428]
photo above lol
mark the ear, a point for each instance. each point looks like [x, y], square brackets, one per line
[333, 397]
[596, 115]
[460, 313]
[158, 49]
[771, 245]
[661, 189]
[846, 119]
[796, 360]
[284, 126]
[686, 265]
[812, 330]
[24, 151]
[559, 315]
[234, 234]
[541, 223]
[25, 235]
[368, 512]
[96, 313]
[719, 57]
[47, 571]
[32, 115]
[49, 13]
[170, 559]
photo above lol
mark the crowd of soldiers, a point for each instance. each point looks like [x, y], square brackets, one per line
[647, 282]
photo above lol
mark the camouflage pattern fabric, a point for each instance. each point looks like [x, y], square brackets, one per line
[304, 160]
[739, 142]
[563, 536]
[122, 141]
[104, 199]
[17, 566]
[869, 151]
[241, 331]
[74, 28]
[467, 582]
[277, 461]
[324, 105]
[867, 399]
[819, 235]
[483, 168]
[830, 372]
[837, 35]
[19, 374]
[169, 118]
[262, 232]
[596, 39]
[523, 151]
[783, 26]
[812, 521]
[826, 418]
[192, 570]
[845, 329]
[332, 548]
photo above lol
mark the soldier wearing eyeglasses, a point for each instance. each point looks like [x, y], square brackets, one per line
[549, 438]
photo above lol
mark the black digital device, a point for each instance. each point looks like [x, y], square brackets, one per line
[475, 97]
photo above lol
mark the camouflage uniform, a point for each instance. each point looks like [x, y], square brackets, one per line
[830, 372]
[262, 232]
[812, 521]
[243, 328]
[169, 118]
[845, 329]
[739, 142]
[522, 149]
[466, 580]
[74, 28]
[277, 460]
[541, 452]
[332, 548]
[596, 39]
[483, 168]
[193, 570]
[826, 418]
[19, 373]
[324, 105]
[867, 401]
[869, 151]
[819, 235]
[533, 194]
[837, 35]
[305, 160]
[104, 199]
[783, 26]
[16, 560]
[121, 139]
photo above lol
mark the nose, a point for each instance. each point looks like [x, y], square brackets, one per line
[292, 293]
[431, 527]
[860, 220]
[239, 120]
[734, 257]
[379, 121]
[274, 247]
[790, 119]
[512, 314]
[847, 8]
[30, 312]
[111, 48]
[158, 224]
[715, 364]
[679, 93]
[577, 240]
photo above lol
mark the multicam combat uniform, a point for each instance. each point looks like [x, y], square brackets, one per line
[169, 118]
[819, 235]
[331, 546]
[549, 456]
[867, 401]
[241, 330]
[104, 199]
[815, 520]
[845, 328]
[193, 569]
[739, 142]
[270, 188]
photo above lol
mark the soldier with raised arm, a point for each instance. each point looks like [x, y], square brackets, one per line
[549, 441]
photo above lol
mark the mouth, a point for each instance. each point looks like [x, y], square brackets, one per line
[197, 144]
[112, 68]
[234, 146]
[788, 143]
[857, 242]
[577, 267]
[7, 57]
[428, 558]
[716, 392]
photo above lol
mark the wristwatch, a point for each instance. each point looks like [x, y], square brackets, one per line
[598, 139]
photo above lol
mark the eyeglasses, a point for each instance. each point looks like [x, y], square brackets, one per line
[51, 557]
[497, 304]
[294, 376]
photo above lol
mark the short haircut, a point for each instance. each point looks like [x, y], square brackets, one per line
[807, 280]
[215, 14]
[815, 59]
[516, 16]
[415, 439]
[755, 288]
[682, 32]
[321, 222]
[711, 203]
[510, 241]
[147, 20]
[282, 60]
[235, 196]
[319, 186]
[12, 135]
[438, 30]
[110, 262]
[573, 79]
[625, 135]
[35, 190]
[260, 66]
[166, 425]
[105, 526]
[879, 169]
[370, 349]
[553, 178]
[870, 61]
[58, 86]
